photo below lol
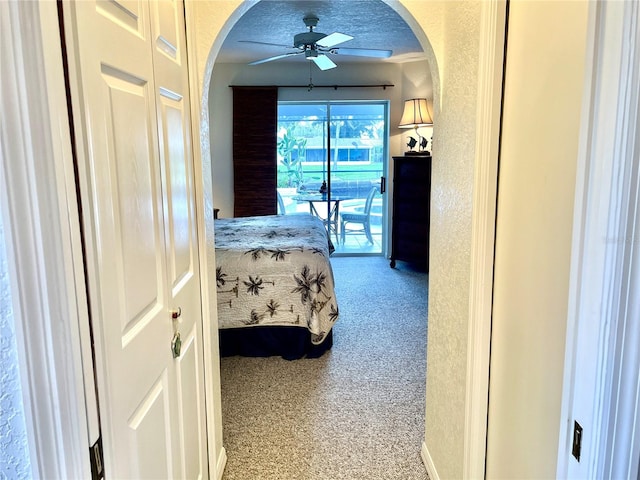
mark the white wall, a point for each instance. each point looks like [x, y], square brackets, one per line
[14, 450]
[452, 182]
[409, 80]
[543, 94]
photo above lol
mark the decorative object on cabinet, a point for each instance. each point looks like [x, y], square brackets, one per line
[411, 207]
[416, 114]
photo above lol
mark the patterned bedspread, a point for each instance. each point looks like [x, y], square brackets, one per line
[275, 270]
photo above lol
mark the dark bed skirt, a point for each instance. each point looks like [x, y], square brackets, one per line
[290, 343]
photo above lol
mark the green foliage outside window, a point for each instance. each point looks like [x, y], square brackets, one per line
[291, 152]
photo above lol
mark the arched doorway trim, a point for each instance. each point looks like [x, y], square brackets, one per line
[485, 186]
[489, 97]
[489, 93]
[199, 86]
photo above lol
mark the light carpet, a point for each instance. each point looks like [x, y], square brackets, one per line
[355, 413]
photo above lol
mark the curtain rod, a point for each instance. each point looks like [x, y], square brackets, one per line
[311, 86]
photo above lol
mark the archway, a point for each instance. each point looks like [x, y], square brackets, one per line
[465, 194]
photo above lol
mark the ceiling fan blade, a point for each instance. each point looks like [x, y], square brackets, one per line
[267, 43]
[362, 52]
[277, 57]
[323, 62]
[334, 39]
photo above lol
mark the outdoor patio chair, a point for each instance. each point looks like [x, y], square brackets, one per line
[361, 220]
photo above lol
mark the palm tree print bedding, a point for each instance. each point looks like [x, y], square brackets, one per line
[275, 270]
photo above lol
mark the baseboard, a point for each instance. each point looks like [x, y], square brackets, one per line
[428, 463]
[221, 463]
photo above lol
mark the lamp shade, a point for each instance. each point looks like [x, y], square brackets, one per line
[416, 114]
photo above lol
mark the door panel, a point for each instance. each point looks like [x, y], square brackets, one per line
[123, 198]
[343, 146]
[139, 241]
[125, 13]
[172, 96]
[152, 416]
[191, 403]
[357, 162]
[166, 21]
[179, 216]
[138, 203]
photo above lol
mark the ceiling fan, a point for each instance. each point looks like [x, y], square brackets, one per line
[315, 46]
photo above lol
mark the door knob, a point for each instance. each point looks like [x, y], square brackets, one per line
[176, 313]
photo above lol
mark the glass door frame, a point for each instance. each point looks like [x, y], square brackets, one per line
[327, 168]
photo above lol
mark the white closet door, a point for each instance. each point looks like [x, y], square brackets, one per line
[173, 117]
[133, 116]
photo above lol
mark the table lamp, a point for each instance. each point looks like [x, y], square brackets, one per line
[416, 114]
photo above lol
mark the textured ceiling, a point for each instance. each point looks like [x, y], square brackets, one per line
[373, 24]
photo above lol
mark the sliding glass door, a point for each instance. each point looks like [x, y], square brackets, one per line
[331, 163]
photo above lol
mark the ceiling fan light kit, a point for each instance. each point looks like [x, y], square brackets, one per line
[315, 46]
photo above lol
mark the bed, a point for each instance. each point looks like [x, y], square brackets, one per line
[274, 286]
